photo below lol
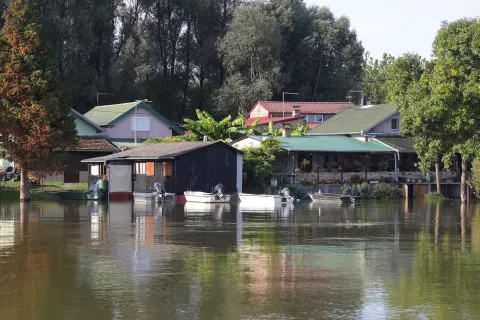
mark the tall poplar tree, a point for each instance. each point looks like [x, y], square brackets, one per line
[35, 118]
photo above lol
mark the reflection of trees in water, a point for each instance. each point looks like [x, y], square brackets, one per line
[443, 282]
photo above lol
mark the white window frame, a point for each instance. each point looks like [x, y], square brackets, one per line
[141, 124]
[141, 168]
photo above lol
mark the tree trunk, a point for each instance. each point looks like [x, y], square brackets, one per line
[24, 186]
[463, 181]
[187, 70]
[437, 175]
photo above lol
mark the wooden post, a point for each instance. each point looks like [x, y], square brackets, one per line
[463, 181]
[396, 166]
[437, 174]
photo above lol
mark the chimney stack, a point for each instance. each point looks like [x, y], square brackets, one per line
[296, 111]
[285, 131]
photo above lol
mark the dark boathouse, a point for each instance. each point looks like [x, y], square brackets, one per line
[177, 166]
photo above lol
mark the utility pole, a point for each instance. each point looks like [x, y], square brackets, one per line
[283, 101]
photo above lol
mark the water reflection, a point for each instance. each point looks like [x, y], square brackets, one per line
[377, 259]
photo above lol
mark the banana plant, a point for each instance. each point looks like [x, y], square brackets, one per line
[274, 132]
[299, 130]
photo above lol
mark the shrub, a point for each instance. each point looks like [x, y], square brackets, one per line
[386, 191]
[332, 164]
[476, 175]
[307, 183]
[382, 165]
[356, 166]
[435, 196]
[362, 189]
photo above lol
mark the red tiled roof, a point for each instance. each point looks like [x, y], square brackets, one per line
[305, 107]
[94, 144]
[266, 120]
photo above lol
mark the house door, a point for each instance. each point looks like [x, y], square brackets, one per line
[140, 177]
[71, 176]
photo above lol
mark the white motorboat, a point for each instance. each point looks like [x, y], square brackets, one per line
[216, 196]
[333, 197]
[159, 195]
[266, 200]
[263, 200]
[205, 197]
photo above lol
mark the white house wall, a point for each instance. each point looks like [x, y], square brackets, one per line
[385, 127]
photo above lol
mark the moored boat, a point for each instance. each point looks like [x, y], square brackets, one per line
[333, 197]
[81, 195]
[267, 199]
[216, 196]
[159, 195]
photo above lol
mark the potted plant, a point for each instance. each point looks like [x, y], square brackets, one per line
[382, 165]
[331, 165]
[304, 164]
[336, 181]
[356, 179]
[356, 166]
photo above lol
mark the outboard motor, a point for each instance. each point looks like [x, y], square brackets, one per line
[94, 188]
[351, 194]
[218, 191]
[285, 193]
[158, 187]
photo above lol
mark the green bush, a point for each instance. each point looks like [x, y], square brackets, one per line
[386, 191]
[382, 165]
[332, 164]
[435, 196]
[356, 166]
[362, 189]
[476, 175]
[306, 183]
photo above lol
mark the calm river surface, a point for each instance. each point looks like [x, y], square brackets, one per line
[373, 260]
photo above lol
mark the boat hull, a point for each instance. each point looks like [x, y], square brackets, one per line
[81, 195]
[152, 197]
[263, 200]
[204, 197]
[330, 197]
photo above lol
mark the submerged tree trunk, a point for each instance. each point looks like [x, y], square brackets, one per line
[437, 175]
[463, 181]
[24, 186]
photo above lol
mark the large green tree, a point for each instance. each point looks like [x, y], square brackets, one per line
[374, 79]
[35, 118]
[251, 51]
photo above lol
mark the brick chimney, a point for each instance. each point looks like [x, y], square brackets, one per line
[296, 111]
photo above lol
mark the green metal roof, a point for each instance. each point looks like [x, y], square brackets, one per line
[399, 143]
[329, 143]
[354, 120]
[108, 115]
[126, 142]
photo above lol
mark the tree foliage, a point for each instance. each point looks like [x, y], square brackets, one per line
[258, 161]
[375, 77]
[36, 121]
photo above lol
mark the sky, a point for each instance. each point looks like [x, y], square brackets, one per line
[401, 26]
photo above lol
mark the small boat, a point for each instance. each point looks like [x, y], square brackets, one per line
[81, 195]
[333, 197]
[93, 193]
[265, 200]
[216, 196]
[159, 195]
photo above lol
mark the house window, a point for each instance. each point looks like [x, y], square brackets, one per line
[97, 170]
[167, 169]
[140, 168]
[150, 169]
[314, 117]
[141, 124]
[394, 124]
[280, 115]
[327, 116]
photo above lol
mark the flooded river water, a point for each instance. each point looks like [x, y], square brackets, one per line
[373, 260]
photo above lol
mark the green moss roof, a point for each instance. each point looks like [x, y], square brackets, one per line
[108, 115]
[399, 143]
[354, 120]
[329, 143]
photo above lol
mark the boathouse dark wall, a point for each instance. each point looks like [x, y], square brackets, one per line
[197, 170]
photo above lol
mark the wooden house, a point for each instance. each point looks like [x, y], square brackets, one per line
[178, 166]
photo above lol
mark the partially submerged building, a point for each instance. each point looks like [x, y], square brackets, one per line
[177, 166]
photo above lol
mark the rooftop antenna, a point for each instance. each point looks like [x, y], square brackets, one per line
[101, 93]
